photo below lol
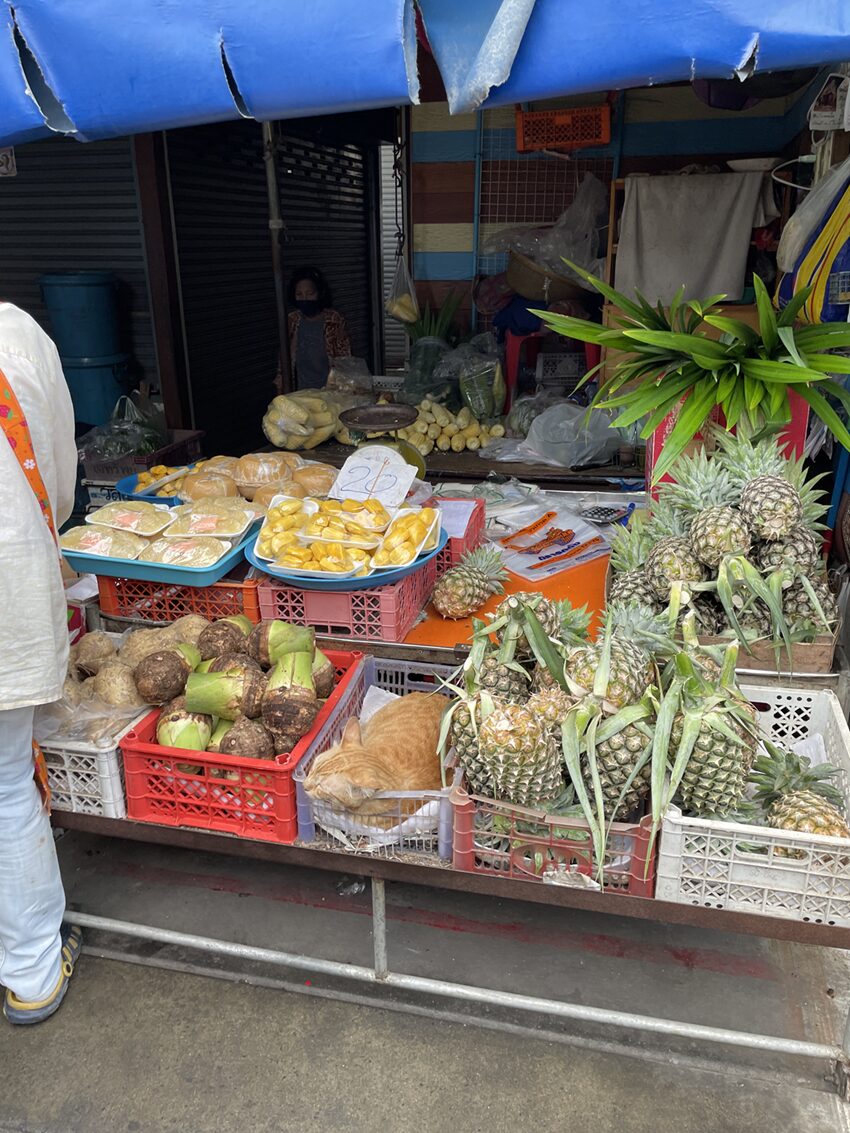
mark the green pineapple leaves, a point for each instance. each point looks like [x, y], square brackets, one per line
[670, 364]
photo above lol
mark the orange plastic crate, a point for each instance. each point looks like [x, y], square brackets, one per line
[574, 127]
[163, 602]
[251, 798]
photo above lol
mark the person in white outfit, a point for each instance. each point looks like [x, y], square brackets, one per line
[36, 955]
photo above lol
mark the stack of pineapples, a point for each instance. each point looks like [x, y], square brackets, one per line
[741, 530]
[623, 726]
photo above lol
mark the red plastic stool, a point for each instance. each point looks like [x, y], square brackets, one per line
[513, 349]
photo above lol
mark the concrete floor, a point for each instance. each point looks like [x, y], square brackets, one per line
[148, 1049]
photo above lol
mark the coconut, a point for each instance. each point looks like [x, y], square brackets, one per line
[226, 695]
[114, 684]
[228, 635]
[248, 738]
[231, 663]
[290, 704]
[92, 651]
[162, 676]
[189, 628]
[140, 642]
[271, 640]
[178, 727]
[323, 675]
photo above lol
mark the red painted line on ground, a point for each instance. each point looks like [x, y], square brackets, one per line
[599, 944]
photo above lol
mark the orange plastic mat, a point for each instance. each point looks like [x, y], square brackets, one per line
[583, 585]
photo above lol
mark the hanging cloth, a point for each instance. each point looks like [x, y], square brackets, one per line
[17, 433]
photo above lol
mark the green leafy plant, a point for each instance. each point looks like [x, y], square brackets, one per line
[668, 360]
[437, 323]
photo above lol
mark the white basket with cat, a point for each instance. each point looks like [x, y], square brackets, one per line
[393, 743]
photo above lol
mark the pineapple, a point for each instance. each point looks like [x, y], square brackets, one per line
[629, 547]
[464, 733]
[552, 705]
[716, 774]
[520, 754]
[542, 679]
[800, 548]
[797, 796]
[671, 558]
[616, 757]
[800, 611]
[466, 587]
[704, 494]
[634, 632]
[505, 681]
[558, 619]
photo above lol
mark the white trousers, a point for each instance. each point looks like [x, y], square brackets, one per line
[32, 900]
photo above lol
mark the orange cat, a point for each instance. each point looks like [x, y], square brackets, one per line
[396, 750]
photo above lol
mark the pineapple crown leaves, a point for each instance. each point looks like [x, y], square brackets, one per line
[487, 559]
[638, 623]
[700, 483]
[666, 522]
[630, 544]
[574, 621]
[576, 730]
[739, 582]
[781, 772]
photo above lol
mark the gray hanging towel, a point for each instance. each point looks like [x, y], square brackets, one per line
[692, 229]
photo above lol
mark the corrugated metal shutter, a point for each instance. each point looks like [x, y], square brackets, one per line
[324, 200]
[75, 207]
[220, 202]
[395, 338]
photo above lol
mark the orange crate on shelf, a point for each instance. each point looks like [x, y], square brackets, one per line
[251, 798]
[165, 602]
[573, 127]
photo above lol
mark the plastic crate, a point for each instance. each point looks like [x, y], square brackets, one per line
[521, 844]
[473, 537]
[382, 613]
[754, 869]
[560, 373]
[257, 800]
[86, 778]
[183, 447]
[573, 127]
[161, 602]
[408, 821]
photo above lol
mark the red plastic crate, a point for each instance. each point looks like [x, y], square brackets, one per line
[518, 844]
[383, 613]
[164, 602]
[260, 803]
[473, 537]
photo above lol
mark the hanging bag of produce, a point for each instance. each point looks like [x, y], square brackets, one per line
[402, 303]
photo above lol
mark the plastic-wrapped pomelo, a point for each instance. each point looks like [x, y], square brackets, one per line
[205, 485]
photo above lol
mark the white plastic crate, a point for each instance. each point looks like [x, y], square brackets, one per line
[408, 821]
[559, 373]
[87, 778]
[754, 869]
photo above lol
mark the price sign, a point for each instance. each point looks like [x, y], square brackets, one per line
[374, 472]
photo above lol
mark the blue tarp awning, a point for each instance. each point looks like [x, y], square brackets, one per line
[492, 52]
[102, 68]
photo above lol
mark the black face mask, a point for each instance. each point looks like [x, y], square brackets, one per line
[308, 307]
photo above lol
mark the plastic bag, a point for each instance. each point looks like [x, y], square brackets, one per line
[524, 411]
[563, 436]
[349, 375]
[401, 302]
[423, 378]
[136, 426]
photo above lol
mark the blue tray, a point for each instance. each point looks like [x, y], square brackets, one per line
[159, 572]
[126, 489]
[379, 578]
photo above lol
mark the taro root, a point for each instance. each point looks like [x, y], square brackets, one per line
[114, 684]
[272, 640]
[221, 730]
[162, 676]
[290, 704]
[92, 651]
[231, 663]
[226, 695]
[177, 727]
[189, 628]
[139, 643]
[227, 635]
[248, 738]
[323, 675]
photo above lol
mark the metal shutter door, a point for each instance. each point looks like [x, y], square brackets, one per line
[75, 207]
[220, 203]
[324, 201]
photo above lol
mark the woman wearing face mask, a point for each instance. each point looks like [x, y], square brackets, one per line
[316, 331]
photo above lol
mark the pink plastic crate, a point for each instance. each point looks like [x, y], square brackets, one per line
[384, 613]
[473, 537]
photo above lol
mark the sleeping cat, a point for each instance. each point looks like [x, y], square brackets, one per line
[396, 750]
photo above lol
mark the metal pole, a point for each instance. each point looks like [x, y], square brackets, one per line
[275, 227]
[379, 927]
[448, 990]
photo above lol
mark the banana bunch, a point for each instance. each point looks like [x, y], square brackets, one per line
[301, 420]
[436, 427]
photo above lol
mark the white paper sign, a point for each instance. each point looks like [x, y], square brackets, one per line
[374, 472]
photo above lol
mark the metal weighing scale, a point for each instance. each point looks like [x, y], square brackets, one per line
[386, 419]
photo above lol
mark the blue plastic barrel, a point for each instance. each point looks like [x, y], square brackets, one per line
[83, 313]
[95, 385]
